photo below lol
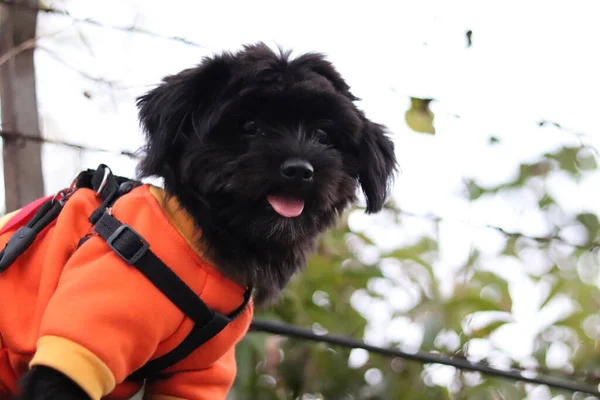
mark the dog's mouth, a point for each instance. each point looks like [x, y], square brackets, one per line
[286, 206]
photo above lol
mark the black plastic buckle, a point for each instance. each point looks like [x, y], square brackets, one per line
[138, 254]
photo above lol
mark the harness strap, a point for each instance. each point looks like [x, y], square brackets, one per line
[200, 334]
[49, 208]
[135, 250]
[24, 214]
[23, 237]
[107, 185]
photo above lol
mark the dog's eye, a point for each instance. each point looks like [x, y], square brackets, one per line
[251, 128]
[321, 136]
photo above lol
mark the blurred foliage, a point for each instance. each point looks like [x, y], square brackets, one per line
[452, 313]
[469, 36]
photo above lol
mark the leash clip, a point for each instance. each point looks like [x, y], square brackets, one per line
[107, 172]
[62, 196]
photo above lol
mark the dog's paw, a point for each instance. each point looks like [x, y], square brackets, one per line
[43, 383]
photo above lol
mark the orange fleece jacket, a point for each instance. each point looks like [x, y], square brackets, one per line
[97, 319]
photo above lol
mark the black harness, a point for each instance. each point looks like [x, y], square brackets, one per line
[135, 251]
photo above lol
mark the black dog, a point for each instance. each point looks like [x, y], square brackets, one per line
[264, 152]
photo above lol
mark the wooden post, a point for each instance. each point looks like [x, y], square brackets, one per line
[23, 181]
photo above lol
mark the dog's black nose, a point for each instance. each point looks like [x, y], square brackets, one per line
[296, 169]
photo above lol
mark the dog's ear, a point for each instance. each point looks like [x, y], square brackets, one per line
[167, 112]
[377, 164]
[376, 152]
[317, 63]
[327, 70]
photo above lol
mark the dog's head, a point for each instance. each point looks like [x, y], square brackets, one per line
[264, 151]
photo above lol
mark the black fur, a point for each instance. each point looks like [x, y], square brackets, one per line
[222, 168]
[195, 140]
[43, 383]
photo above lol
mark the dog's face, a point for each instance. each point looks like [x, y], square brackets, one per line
[264, 150]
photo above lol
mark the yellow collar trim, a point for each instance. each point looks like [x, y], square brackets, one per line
[180, 219]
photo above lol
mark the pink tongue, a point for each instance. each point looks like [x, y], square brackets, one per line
[286, 206]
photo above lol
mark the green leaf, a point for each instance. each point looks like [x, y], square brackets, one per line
[527, 171]
[415, 251]
[510, 248]
[545, 201]
[591, 224]
[474, 191]
[468, 305]
[432, 324]
[567, 159]
[586, 160]
[488, 329]
[572, 321]
[558, 287]
[495, 282]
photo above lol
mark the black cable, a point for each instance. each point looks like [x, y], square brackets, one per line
[261, 325]
[290, 330]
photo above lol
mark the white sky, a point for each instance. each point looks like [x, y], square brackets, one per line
[530, 60]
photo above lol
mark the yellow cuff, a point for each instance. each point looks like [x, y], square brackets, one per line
[76, 362]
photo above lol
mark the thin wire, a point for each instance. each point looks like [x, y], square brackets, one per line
[26, 45]
[9, 135]
[91, 21]
[80, 72]
[261, 325]
[289, 330]
[134, 29]
[113, 85]
[435, 218]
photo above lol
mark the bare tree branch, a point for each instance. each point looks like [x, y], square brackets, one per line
[26, 45]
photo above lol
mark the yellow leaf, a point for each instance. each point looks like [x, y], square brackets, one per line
[419, 117]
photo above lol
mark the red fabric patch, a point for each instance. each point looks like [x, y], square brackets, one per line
[24, 214]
